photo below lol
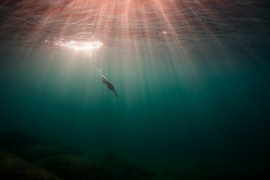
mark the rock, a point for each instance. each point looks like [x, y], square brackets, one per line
[12, 167]
[71, 167]
[36, 153]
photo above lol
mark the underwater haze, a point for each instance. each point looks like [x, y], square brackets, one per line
[192, 79]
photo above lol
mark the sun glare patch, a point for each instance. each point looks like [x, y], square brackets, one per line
[77, 46]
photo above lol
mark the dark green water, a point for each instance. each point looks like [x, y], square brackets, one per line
[169, 115]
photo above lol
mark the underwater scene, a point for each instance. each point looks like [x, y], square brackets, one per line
[134, 89]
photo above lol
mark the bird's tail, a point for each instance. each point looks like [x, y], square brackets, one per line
[115, 94]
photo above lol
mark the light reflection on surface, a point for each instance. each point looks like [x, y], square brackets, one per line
[79, 46]
[173, 23]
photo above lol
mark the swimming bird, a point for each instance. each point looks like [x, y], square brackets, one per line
[109, 85]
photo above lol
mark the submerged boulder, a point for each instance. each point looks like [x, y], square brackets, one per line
[71, 167]
[36, 153]
[12, 167]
